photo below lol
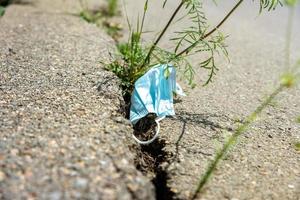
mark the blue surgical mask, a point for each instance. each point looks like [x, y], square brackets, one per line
[153, 93]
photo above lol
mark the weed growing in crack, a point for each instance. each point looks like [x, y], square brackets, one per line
[287, 81]
[134, 58]
[102, 17]
[129, 58]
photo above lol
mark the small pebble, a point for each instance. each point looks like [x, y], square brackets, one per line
[81, 183]
[291, 186]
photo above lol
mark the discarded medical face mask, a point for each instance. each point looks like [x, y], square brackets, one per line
[153, 93]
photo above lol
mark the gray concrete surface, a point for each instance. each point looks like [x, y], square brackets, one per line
[62, 136]
[264, 164]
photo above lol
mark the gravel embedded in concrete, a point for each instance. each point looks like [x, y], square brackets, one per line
[62, 136]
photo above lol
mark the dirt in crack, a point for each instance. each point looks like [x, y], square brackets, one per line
[150, 157]
[149, 161]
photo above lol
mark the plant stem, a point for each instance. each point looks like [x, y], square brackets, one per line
[212, 31]
[143, 19]
[232, 140]
[162, 33]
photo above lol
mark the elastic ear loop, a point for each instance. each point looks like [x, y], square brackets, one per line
[154, 137]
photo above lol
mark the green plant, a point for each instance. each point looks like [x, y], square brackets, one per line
[90, 16]
[112, 8]
[291, 2]
[102, 17]
[137, 57]
[130, 57]
[269, 4]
